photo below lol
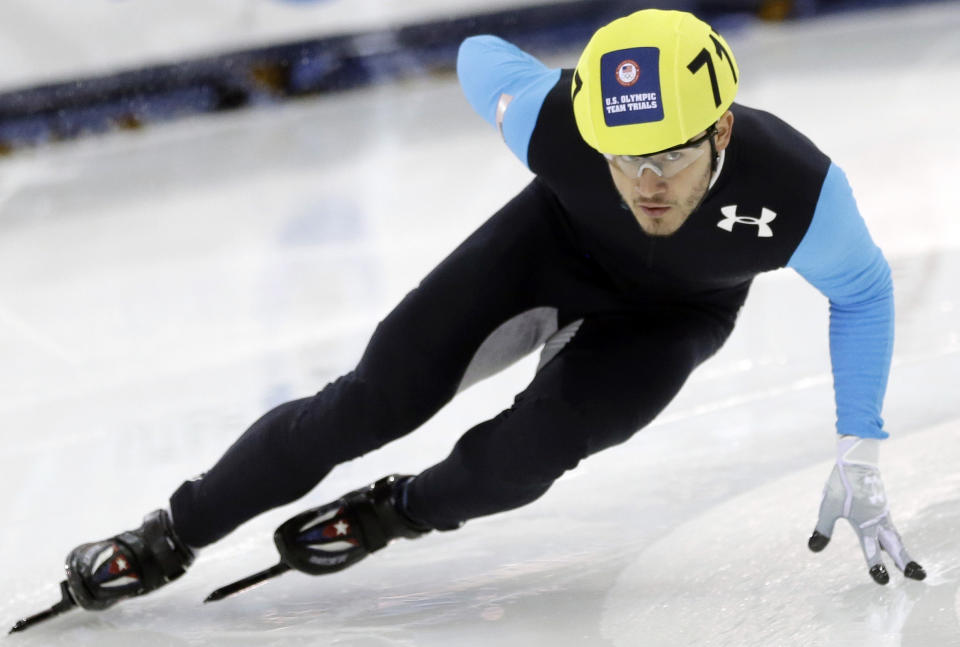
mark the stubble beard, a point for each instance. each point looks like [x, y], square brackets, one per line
[669, 225]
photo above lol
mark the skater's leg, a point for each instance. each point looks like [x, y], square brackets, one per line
[281, 457]
[415, 362]
[612, 379]
[418, 358]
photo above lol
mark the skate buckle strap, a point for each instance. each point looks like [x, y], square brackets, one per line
[371, 531]
[162, 556]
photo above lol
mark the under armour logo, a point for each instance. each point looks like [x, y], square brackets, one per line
[730, 218]
[874, 487]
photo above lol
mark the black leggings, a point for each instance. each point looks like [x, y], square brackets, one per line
[627, 359]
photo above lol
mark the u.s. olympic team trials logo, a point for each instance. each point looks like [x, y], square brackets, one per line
[627, 73]
[630, 86]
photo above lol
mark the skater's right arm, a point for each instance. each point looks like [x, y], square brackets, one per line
[506, 86]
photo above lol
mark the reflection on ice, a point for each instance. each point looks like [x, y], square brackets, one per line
[753, 582]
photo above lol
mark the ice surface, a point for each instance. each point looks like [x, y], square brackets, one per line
[737, 575]
[161, 289]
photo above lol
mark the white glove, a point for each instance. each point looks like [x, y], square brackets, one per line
[854, 491]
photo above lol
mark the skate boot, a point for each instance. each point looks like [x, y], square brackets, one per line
[334, 536]
[135, 562]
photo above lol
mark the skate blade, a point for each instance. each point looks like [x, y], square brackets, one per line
[247, 582]
[65, 604]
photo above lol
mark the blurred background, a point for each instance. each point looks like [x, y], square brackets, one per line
[70, 69]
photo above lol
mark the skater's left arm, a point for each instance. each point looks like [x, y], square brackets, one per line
[838, 256]
[840, 259]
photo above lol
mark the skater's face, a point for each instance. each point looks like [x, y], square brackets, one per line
[662, 204]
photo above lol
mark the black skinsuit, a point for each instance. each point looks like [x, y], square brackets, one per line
[565, 250]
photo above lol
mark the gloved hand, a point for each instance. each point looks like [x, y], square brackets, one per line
[854, 491]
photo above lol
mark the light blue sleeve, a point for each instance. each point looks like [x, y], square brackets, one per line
[840, 259]
[489, 67]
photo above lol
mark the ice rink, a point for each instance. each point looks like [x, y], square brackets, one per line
[160, 289]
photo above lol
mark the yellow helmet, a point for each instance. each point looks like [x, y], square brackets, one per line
[650, 81]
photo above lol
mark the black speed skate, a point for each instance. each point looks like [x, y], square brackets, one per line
[102, 573]
[333, 536]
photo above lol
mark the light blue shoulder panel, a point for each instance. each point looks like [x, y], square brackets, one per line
[840, 259]
[489, 67]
